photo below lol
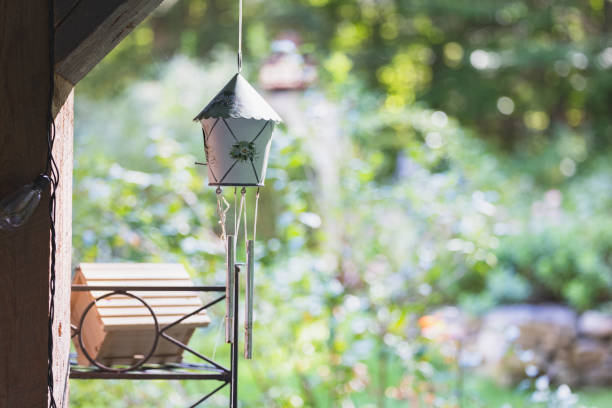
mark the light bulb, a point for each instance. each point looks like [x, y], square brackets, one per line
[16, 208]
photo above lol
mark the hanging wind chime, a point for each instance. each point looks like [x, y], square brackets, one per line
[237, 127]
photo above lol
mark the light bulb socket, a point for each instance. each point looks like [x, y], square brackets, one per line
[41, 182]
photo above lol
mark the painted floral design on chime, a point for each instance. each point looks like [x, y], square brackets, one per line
[243, 151]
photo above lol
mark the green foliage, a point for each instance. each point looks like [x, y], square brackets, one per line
[550, 63]
[561, 267]
[435, 228]
[452, 153]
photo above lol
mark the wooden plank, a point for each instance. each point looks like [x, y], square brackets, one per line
[176, 312]
[63, 90]
[123, 344]
[91, 29]
[77, 296]
[148, 294]
[128, 283]
[126, 345]
[130, 266]
[93, 336]
[129, 323]
[153, 302]
[156, 359]
[63, 153]
[153, 275]
[24, 253]
[62, 9]
[132, 271]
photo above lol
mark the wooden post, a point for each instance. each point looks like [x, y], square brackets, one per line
[24, 253]
[62, 151]
[86, 30]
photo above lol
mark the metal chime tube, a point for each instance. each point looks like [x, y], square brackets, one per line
[248, 314]
[234, 348]
[229, 291]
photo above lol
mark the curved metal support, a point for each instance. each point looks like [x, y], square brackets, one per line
[184, 371]
[139, 362]
[190, 350]
[74, 331]
[208, 395]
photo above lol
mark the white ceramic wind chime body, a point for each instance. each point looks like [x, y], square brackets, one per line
[237, 127]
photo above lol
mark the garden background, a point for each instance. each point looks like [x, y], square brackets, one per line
[449, 158]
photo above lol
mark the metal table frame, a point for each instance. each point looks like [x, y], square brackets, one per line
[210, 371]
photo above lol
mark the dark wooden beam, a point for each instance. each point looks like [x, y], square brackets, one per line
[63, 8]
[87, 30]
[24, 253]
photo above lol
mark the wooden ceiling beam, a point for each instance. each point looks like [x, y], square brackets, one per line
[62, 9]
[87, 30]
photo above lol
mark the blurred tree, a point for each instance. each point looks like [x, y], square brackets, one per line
[520, 73]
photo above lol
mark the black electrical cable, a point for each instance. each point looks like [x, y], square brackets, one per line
[52, 171]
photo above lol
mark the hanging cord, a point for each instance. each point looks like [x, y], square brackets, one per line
[241, 209]
[222, 213]
[244, 202]
[52, 171]
[239, 36]
[217, 337]
[235, 213]
[255, 215]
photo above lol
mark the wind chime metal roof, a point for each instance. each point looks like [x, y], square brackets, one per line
[238, 99]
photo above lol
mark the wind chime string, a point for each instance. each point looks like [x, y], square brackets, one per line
[235, 213]
[239, 36]
[255, 215]
[217, 337]
[222, 213]
[242, 209]
[246, 233]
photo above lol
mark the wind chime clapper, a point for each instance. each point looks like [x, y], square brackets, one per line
[237, 128]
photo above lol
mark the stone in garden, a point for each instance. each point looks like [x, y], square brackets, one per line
[598, 375]
[593, 361]
[589, 352]
[595, 324]
[516, 336]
